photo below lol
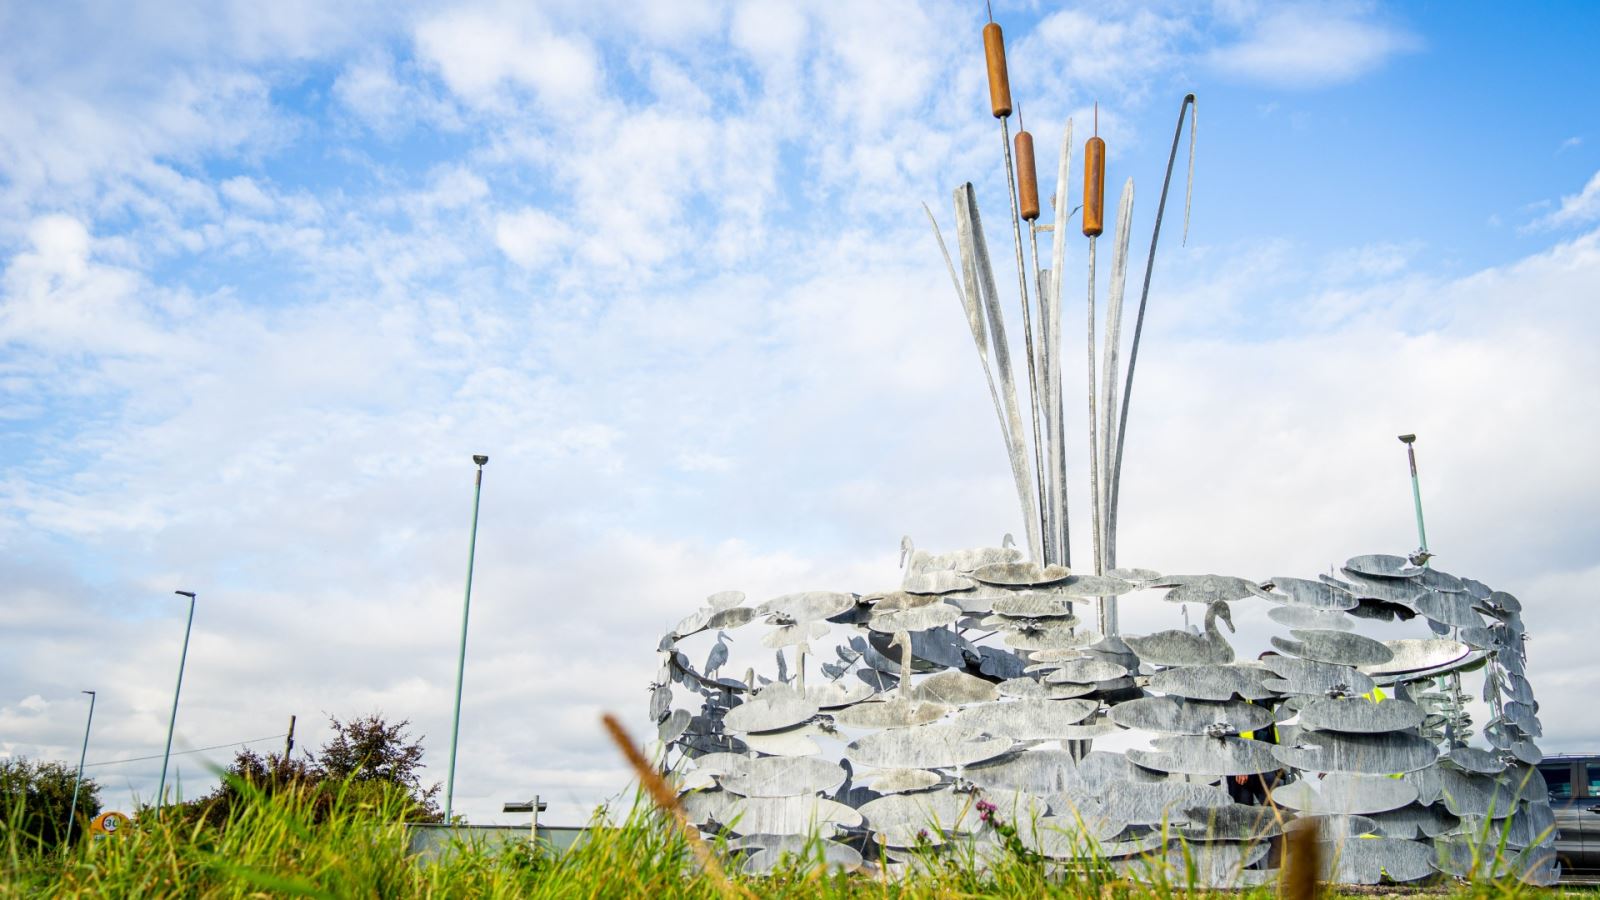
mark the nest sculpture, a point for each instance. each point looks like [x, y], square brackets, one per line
[906, 723]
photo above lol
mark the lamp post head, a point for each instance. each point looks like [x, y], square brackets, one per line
[479, 458]
[90, 693]
[1408, 438]
[189, 594]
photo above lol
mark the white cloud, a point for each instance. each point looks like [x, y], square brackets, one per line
[1310, 46]
[1577, 209]
[531, 237]
[479, 52]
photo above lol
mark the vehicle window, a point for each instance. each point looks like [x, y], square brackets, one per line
[1592, 775]
[1560, 780]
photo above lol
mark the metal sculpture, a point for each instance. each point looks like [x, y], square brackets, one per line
[974, 690]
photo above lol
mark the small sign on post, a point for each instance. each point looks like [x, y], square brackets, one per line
[534, 806]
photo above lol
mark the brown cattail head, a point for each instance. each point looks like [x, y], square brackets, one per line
[1094, 187]
[1027, 177]
[994, 52]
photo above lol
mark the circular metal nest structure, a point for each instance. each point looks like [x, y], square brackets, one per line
[972, 695]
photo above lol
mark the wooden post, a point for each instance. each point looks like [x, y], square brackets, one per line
[288, 744]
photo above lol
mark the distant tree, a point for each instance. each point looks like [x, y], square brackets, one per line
[370, 751]
[35, 798]
[250, 772]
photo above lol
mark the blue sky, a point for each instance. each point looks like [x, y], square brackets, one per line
[270, 276]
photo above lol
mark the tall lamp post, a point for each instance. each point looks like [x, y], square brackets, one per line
[461, 660]
[161, 792]
[72, 812]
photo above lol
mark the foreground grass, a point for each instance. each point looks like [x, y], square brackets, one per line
[281, 846]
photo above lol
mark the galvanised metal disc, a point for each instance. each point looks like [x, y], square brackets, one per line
[1306, 617]
[1139, 577]
[1369, 754]
[1388, 590]
[1437, 580]
[1068, 836]
[936, 582]
[1449, 609]
[1157, 802]
[1311, 594]
[997, 663]
[1024, 720]
[792, 635]
[1085, 586]
[1417, 654]
[1187, 755]
[770, 710]
[921, 618]
[1360, 715]
[1214, 864]
[1337, 647]
[943, 810]
[1020, 574]
[1033, 689]
[937, 648]
[1214, 682]
[960, 560]
[837, 694]
[1476, 761]
[1033, 605]
[1345, 794]
[794, 742]
[1369, 860]
[807, 606]
[955, 689]
[1060, 637]
[1382, 565]
[904, 781]
[1175, 715]
[675, 724]
[895, 712]
[1084, 671]
[1039, 772]
[783, 815]
[1234, 822]
[1413, 821]
[1467, 794]
[927, 747]
[777, 776]
[805, 852]
[1208, 589]
[1504, 601]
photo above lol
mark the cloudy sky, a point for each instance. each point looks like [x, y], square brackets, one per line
[271, 273]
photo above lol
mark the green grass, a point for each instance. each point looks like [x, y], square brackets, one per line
[286, 845]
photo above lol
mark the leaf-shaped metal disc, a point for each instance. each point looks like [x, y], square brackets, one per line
[955, 689]
[936, 582]
[1466, 794]
[1024, 720]
[1085, 671]
[1234, 822]
[1033, 689]
[1022, 574]
[893, 713]
[960, 560]
[1345, 794]
[1368, 860]
[807, 606]
[791, 635]
[777, 776]
[1417, 654]
[1155, 802]
[1449, 609]
[932, 810]
[1338, 647]
[1085, 586]
[791, 742]
[1174, 715]
[1474, 760]
[1033, 606]
[926, 747]
[803, 853]
[771, 710]
[784, 815]
[674, 725]
[1208, 589]
[1306, 617]
[1213, 682]
[1414, 820]
[1304, 676]
[1362, 754]
[1361, 715]
[836, 694]
[1188, 755]
[1311, 594]
[1382, 565]
[933, 615]
[904, 781]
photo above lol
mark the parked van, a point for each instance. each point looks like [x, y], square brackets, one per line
[1575, 797]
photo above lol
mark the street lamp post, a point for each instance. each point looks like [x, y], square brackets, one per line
[72, 812]
[161, 791]
[461, 660]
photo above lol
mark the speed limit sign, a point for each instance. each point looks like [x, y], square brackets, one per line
[108, 824]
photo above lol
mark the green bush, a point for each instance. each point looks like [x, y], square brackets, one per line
[35, 798]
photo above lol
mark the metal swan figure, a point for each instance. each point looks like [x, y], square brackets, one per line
[1180, 648]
